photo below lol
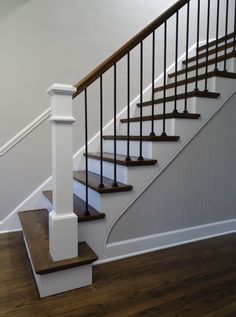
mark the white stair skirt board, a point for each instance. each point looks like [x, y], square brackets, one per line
[132, 247]
[63, 280]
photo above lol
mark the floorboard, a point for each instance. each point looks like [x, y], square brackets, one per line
[194, 280]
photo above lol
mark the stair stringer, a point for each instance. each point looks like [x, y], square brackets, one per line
[115, 205]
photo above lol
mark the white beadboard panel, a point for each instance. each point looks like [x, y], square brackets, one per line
[197, 188]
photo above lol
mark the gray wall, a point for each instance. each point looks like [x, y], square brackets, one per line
[197, 188]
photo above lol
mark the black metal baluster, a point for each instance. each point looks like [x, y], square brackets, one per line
[207, 44]
[234, 27]
[140, 158]
[226, 32]
[164, 81]
[217, 34]
[128, 107]
[198, 31]
[176, 58]
[86, 152]
[186, 65]
[153, 82]
[115, 101]
[101, 185]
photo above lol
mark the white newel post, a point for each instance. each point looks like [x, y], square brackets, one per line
[63, 224]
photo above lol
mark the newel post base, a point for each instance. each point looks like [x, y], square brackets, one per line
[63, 223]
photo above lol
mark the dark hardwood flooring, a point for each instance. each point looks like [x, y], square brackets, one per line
[197, 279]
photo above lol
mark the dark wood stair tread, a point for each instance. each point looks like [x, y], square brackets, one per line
[168, 138]
[220, 40]
[35, 228]
[172, 115]
[210, 52]
[203, 64]
[202, 94]
[80, 208]
[94, 181]
[121, 159]
[192, 79]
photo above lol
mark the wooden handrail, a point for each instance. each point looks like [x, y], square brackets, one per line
[127, 47]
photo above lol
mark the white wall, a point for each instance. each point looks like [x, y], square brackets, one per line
[197, 188]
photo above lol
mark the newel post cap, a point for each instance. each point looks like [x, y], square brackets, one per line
[61, 89]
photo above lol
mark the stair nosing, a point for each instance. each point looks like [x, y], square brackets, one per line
[35, 229]
[104, 190]
[171, 115]
[133, 162]
[169, 138]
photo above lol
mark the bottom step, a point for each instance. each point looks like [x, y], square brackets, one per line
[54, 277]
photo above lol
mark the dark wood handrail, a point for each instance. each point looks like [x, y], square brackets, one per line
[127, 47]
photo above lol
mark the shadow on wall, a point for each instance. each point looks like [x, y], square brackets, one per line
[7, 8]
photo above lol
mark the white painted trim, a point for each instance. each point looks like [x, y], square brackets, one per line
[159, 241]
[25, 131]
[11, 222]
[62, 89]
[10, 231]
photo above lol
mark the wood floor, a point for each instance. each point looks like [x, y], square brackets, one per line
[197, 279]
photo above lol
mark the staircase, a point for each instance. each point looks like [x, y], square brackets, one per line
[118, 168]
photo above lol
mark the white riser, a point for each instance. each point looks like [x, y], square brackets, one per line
[108, 170]
[125, 174]
[146, 127]
[153, 150]
[94, 197]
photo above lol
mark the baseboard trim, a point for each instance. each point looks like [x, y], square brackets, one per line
[137, 246]
[34, 201]
[10, 231]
